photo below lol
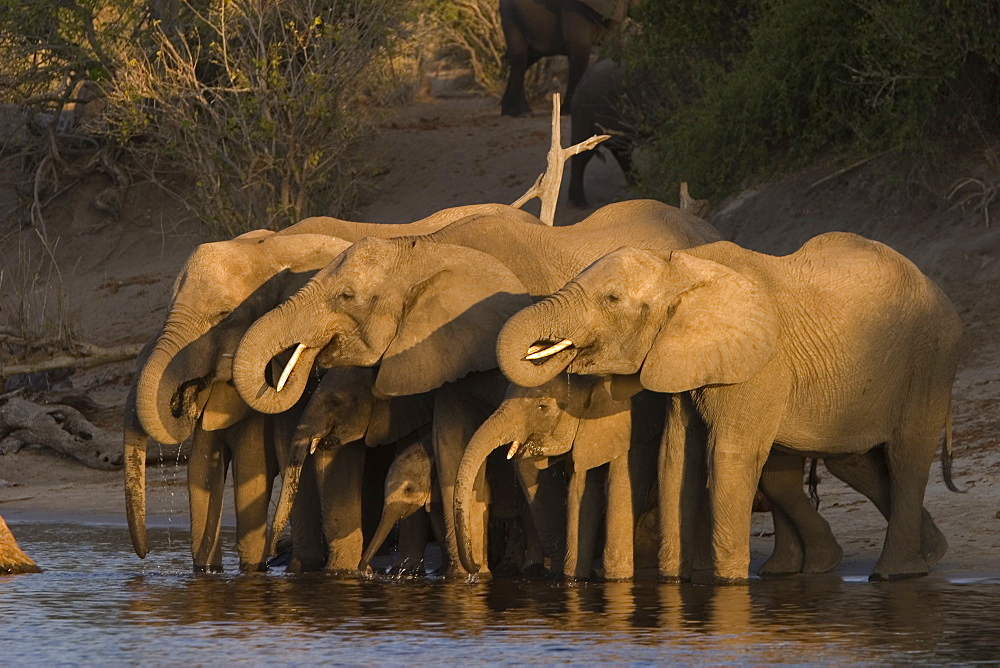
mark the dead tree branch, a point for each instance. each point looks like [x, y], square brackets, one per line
[546, 187]
[90, 356]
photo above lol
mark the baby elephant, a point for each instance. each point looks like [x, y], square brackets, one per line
[410, 494]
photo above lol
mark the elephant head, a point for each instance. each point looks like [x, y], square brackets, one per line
[677, 319]
[186, 372]
[567, 412]
[341, 410]
[425, 313]
[407, 490]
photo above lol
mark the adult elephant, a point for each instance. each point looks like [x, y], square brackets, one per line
[537, 28]
[342, 419]
[599, 107]
[576, 417]
[183, 389]
[426, 314]
[793, 351]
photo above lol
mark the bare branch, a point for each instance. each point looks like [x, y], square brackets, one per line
[91, 356]
[546, 187]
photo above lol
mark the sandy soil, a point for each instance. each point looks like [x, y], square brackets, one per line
[452, 151]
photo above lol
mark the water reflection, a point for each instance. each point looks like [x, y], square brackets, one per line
[96, 602]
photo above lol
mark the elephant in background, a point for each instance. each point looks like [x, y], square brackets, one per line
[341, 421]
[13, 560]
[598, 107]
[576, 417]
[537, 28]
[833, 350]
[426, 314]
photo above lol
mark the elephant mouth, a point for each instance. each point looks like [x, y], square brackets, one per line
[185, 402]
[544, 350]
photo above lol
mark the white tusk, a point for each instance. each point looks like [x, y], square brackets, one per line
[288, 367]
[314, 444]
[548, 352]
[535, 348]
[513, 449]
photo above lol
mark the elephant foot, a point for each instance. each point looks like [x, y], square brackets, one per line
[515, 108]
[911, 568]
[726, 580]
[933, 544]
[250, 567]
[534, 570]
[672, 579]
[343, 573]
[782, 562]
[207, 568]
[823, 561]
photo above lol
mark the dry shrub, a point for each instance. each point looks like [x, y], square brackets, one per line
[261, 104]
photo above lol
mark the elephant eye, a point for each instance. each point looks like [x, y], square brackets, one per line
[222, 315]
[346, 295]
[613, 297]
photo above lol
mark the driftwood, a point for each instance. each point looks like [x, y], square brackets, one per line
[546, 187]
[697, 207]
[12, 559]
[89, 357]
[59, 427]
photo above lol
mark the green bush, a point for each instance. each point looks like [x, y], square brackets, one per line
[753, 87]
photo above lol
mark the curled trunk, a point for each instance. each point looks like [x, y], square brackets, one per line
[266, 339]
[163, 411]
[527, 328]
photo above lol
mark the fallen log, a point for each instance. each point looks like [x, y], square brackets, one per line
[90, 356]
[58, 427]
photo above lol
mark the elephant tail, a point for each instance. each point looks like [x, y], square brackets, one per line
[946, 456]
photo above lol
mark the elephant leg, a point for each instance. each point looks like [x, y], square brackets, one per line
[545, 489]
[909, 462]
[583, 513]
[253, 476]
[534, 552]
[519, 59]
[868, 474]
[682, 500]
[412, 544]
[340, 475]
[436, 516]
[807, 545]
[578, 29]
[207, 466]
[619, 539]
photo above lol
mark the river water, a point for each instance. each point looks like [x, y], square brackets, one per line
[97, 603]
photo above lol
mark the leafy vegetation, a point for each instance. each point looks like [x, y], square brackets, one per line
[736, 89]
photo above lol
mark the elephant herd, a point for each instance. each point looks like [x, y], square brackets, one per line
[530, 395]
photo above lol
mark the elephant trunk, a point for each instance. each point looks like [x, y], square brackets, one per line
[166, 408]
[290, 477]
[392, 513]
[529, 331]
[487, 438]
[268, 337]
[135, 476]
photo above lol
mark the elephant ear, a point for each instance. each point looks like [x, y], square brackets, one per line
[392, 419]
[722, 329]
[224, 408]
[605, 428]
[450, 323]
